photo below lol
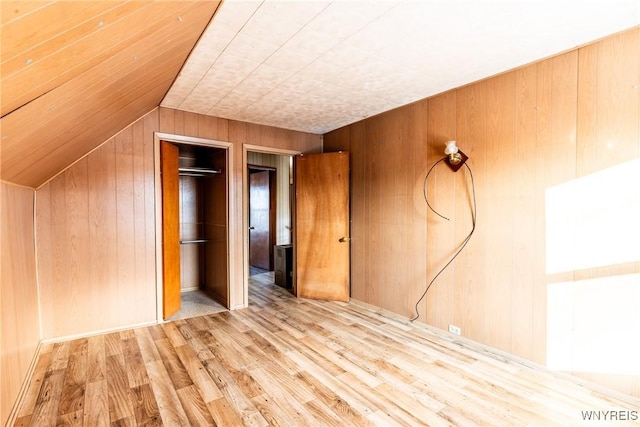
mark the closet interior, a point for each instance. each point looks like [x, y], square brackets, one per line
[203, 203]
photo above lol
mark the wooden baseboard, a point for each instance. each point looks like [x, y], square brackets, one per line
[23, 388]
[98, 332]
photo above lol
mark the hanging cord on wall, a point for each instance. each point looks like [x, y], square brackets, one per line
[464, 242]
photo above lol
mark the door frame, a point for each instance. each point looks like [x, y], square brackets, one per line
[181, 139]
[246, 148]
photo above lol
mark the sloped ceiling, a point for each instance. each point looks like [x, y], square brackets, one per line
[315, 66]
[74, 73]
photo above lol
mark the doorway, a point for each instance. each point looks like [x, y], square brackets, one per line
[195, 198]
[269, 206]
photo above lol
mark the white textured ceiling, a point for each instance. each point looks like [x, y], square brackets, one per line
[315, 66]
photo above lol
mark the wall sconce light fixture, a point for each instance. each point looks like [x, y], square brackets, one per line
[455, 157]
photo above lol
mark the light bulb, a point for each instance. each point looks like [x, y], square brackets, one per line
[451, 148]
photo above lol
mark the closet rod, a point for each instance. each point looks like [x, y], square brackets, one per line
[185, 242]
[191, 171]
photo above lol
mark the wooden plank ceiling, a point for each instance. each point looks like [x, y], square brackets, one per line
[76, 72]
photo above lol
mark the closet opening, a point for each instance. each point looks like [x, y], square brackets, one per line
[194, 184]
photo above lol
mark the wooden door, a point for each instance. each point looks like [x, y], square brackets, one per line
[322, 226]
[170, 229]
[261, 218]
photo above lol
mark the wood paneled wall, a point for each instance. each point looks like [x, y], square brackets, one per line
[19, 317]
[524, 131]
[283, 208]
[96, 237]
[96, 223]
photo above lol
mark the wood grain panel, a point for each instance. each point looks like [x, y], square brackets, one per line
[12, 10]
[440, 244]
[499, 210]
[106, 29]
[125, 213]
[524, 231]
[103, 99]
[372, 214]
[76, 212]
[19, 316]
[555, 163]
[471, 265]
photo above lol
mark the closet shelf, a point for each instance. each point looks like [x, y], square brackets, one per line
[186, 242]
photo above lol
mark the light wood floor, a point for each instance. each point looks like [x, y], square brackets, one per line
[293, 362]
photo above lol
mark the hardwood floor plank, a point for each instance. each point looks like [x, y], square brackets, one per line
[31, 396]
[73, 391]
[145, 406]
[198, 374]
[223, 414]
[97, 359]
[285, 361]
[136, 372]
[169, 404]
[120, 396]
[174, 367]
[46, 409]
[195, 408]
[96, 407]
[113, 344]
[339, 406]
[71, 419]
[59, 356]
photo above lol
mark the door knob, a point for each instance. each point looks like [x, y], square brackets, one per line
[344, 239]
[252, 228]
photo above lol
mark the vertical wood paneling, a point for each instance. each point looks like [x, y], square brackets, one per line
[150, 124]
[359, 235]
[439, 304]
[417, 158]
[96, 225]
[77, 228]
[524, 131]
[470, 266]
[372, 214]
[125, 214]
[96, 238]
[19, 317]
[498, 209]
[523, 231]
[555, 163]
[139, 217]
